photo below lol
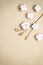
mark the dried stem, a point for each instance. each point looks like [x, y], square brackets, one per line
[22, 32]
[17, 29]
[39, 18]
[28, 34]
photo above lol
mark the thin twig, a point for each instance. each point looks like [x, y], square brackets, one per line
[28, 34]
[39, 18]
[22, 32]
[17, 29]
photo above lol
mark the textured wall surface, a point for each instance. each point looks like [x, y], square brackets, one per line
[14, 50]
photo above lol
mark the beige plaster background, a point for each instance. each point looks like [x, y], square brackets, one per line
[14, 50]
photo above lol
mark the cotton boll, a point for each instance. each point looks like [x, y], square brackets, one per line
[30, 15]
[25, 25]
[35, 26]
[23, 7]
[37, 8]
[39, 37]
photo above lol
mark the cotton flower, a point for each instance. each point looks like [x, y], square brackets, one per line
[30, 15]
[37, 8]
[25, 25]
[23, 7]
[39, 37]
[35, 26]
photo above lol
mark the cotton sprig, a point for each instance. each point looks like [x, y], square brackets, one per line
[34, 26]
[26, 25]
